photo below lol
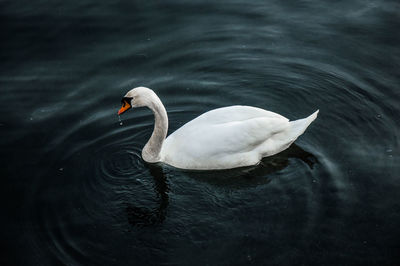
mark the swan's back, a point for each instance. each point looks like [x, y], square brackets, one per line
[233, 114]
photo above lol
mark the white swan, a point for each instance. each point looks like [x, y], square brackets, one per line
[222, 138]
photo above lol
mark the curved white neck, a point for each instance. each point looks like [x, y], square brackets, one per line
[152, 149]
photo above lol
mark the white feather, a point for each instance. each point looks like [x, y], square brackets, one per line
[231, 137]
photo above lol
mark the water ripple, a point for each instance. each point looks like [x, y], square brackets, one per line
[91, 199]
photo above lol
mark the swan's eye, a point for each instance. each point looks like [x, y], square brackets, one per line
[126, 100]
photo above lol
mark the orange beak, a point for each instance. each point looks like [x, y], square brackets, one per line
[124, 108]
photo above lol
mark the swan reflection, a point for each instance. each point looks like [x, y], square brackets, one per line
[142, 216]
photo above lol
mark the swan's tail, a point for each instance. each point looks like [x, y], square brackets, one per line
[299, 126]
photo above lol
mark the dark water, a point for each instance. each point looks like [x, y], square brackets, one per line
[75, 191]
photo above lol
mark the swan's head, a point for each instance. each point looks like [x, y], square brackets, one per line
[137, 97]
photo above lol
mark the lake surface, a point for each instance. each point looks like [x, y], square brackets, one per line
[75, 191]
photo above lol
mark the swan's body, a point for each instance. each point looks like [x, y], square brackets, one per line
[222, 138]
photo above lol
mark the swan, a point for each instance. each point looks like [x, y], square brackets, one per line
[223, 138]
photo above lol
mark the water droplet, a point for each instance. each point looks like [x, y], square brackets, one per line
[120, 121]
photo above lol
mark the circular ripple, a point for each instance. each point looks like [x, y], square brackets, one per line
[101, 184]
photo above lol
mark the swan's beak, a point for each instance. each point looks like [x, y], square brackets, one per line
[125, 107]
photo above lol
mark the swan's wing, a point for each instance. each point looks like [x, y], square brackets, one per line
[243, 136]
[199, 140]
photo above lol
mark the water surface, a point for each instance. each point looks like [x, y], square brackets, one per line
[75, 190]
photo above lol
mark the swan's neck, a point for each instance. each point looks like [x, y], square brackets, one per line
[152, 149]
